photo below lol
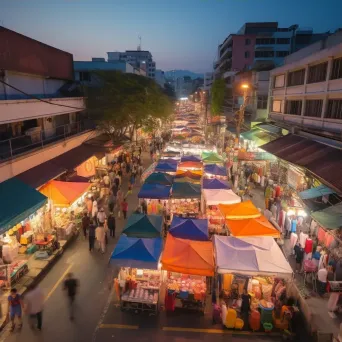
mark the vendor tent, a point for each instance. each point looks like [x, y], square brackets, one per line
[215, 184]
[187, 179]
[137, 253]
[192, 229]
[190, 158]
[143, 226]
[214, 169]
[318, 191]
[194, 174]
[169, 160]
[330, 217]
[250, 256]
[220, 196]
[186, 190]
[157, 191]
[64, 194]
[166, 167]
[190, 165]
[159, 178]
[239, 211]
[17, 201]
[188, 257]
[211, 157]
[252, 227]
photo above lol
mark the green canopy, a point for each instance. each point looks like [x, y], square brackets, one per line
[17, 202]
[159, 178]
[143, 226]
[330, 218]
[259, 137]
[211, 157]
[186, 190]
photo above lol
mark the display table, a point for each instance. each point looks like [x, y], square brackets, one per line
[140, 299]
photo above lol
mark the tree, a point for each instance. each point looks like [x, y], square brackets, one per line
[123, 103]
[218, 90]
[169, 91]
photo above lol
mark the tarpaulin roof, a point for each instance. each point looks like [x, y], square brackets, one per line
[64, 193]
[137, 253]
[259, 226]
[215, 184]
[186, 190]
[214, 169]
[220, 196]
[169, 161]
[188, 256]
[190, 164]
[195, 174]
[17, 202]
[159, 178]
[250, 256]
[143, 226]
[330, 217]
[240, 211]
[187, 179]
[158, 191]
[318, 191]
[211, 157]
[320, 159]
[171, 153]
[190, 158]
[166, 167]
[192, 229]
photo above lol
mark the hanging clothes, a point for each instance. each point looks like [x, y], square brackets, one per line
[294, 225]
[308, 246]
[302, 238]
[293, 239]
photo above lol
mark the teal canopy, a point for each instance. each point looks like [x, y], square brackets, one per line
[186, 190]
[318, 191]
[143, 226]
[330, 218]
[159, 178]
[17, 202]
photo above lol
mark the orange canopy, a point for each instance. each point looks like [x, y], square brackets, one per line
[239, 211]
[64, 194]
[252, 227]
[188, 257]
[191, 174]
[190, 165]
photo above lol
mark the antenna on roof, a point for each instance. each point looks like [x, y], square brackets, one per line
[139, 46]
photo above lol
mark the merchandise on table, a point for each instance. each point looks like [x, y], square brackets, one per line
[185, 207]
[215, 220]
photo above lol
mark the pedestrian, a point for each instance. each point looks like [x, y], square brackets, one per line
[117, 180]
[132, 180]
[34, 304]
[101, 217]
[85, 224]
[111, 224]
[119, 196]
[128, 168]
[144, 206]
[91, 235]
[124, 208]
[95, 209]
[71, 285]
[106, 181]
[14, 308]
[111, 201]
[129, 190]
[101, 238]
[245, 305]
[140, 170]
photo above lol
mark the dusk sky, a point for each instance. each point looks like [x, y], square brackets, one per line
[181, 34]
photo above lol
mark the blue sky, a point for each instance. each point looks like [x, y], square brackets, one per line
[181, 34]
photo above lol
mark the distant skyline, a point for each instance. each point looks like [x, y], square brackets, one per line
[181, 34]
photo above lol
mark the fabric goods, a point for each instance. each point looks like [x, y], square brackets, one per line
[308, 246]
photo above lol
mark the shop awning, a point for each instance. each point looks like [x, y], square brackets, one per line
[143, 226]
[137, 253]
[154, 191]
[211, 157]
[17, 202]
[220, 196]
[187, 179]
[78, 179]
[330, 217]
[191, 229]
[186, 190]
[190, 165]
[214, 169]
[166, 167]
[190, 158]
[318, 191]
[250, 256]
[159, 178]
[322, 160]
[259, 226]
[64, 194]
[188, 257]
[258, 137]
[194, 174]
[215, 184]
[240, 211]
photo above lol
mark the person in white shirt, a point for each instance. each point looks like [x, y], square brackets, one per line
[101, 216]
[106, 181]
[322, 275]
[34, 304]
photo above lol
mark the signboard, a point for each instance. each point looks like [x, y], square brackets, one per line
[255, 156]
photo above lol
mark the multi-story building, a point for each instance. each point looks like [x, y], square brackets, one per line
[138, 58]
[208, 81]
[183, 86]
[160, 77]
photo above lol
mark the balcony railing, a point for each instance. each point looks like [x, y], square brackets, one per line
[38, 139]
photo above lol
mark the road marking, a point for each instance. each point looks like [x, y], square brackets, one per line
[58, 282]
[219, 331]
[119, 326]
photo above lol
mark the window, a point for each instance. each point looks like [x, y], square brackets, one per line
[264, 54]
[247, 41]
[336, 70]
[247, 54]
[276, 106]
[279, 81]
[85, 76]
[282, 53]
[283, 40]
[317, 73]
[313, 108]
[295, 78]
[334, 110]
[293, 107]
[262, 102]
[265, 41]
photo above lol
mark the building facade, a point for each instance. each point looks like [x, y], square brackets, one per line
[208, 81]
[160, 77]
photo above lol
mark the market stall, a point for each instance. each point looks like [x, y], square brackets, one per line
[194, 174]
[190, 165]
[139, 279]
[187, 263]
[156, 196]
[239, 211]
[190, 158]
[187, 180]
[191, 229]
[170, 168]
[143, 226]
[215, 184]
[186, 199]
[215, 171]
[159, 178]
[212, 158]
[148, 171]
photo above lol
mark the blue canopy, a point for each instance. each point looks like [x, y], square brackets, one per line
[143, 226]
[168, 160]
[158, 191]
[166, 167]
[319, 191]
[191, 159]
[17, 202]
[214, 169]
[215, 184]
[137, 253]
[159, 178]
[190, 229]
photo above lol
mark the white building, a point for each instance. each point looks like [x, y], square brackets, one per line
[160, 77]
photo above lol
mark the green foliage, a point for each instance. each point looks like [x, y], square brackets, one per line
[123, 103]
[218, 91]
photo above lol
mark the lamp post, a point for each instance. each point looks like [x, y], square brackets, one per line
[240, 115]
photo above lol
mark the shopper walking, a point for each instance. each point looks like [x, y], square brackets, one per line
[34, 304]
[124, 208]
[111, 224]
[71, 285]
[85, 224]
[101, 238]
[14, 308]
[111, 202]
[101, 217]
[91, 235]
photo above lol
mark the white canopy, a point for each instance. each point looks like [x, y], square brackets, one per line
[253, 256]
[220, 196]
